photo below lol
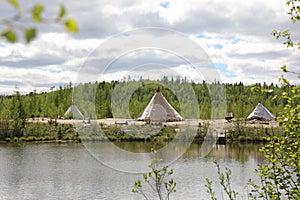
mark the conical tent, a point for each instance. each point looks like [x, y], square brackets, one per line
[160, 110]
[75, 111]
[262, 113]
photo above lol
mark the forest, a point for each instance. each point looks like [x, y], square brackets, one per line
[97, 97]
[109, 99]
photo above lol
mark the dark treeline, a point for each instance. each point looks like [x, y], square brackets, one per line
[240, 99]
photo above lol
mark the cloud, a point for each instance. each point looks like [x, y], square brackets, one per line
[234, 34]
[52, 59]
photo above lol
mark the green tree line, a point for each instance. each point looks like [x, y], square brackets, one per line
[240, 99]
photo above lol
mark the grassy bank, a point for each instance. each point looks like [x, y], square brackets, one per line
[11, 131]
[240, 131]
[237, 131]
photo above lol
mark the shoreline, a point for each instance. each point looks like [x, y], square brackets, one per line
[125, 141]
[45, 130]
[116, 121]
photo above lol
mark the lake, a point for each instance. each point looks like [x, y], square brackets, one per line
[71, 171]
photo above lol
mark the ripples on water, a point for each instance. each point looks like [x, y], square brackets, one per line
[68, 171]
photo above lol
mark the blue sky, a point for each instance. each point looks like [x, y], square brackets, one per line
[234, 34]
[164, 4]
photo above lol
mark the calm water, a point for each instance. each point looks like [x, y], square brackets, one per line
[68, 171]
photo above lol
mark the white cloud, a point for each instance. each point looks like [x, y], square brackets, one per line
[248, 59]
[235, 34]
[52, 59]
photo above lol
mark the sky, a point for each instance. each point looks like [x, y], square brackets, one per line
[234, 34]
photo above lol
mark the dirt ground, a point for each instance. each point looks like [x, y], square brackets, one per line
[193, 122]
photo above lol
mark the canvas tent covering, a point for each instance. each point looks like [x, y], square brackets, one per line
[160, 110]
[262, 113]
[74, 111]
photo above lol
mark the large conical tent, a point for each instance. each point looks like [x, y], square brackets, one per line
[160, 110]
[262, 113]
[74, 111]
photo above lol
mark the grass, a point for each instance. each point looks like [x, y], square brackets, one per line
[35, 132]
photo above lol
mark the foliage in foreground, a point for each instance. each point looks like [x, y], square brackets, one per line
[15, 23]
[224, 179]
[280, 174]
[158, 181]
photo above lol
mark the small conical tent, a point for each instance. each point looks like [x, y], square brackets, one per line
[262, 113]
[160, 110]
[75, 111]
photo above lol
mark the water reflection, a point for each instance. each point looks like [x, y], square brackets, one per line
[68, 171]
[237, 151]
[241, 152]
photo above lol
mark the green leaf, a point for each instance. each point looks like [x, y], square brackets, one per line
[283, 68]
[290, 44]
[62, 11]
[14, 3]
[71, 25]
[286, 32]
[30, 34]
[36, 12]
[10, 35]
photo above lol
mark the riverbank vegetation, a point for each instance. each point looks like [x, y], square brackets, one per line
[11, 131]
[51, 130]
[240, 131]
